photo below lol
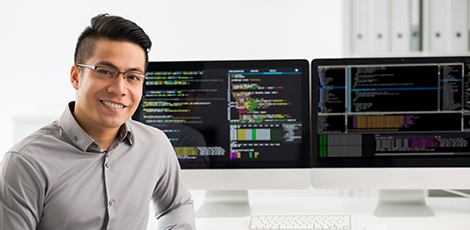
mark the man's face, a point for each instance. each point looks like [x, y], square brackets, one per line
[101, 103]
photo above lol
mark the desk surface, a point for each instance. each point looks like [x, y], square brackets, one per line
[450, 213]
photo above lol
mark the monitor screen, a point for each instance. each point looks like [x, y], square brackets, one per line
[231, 114]
[396, 124]
[391, 112]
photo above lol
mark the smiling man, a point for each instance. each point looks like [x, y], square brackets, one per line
[93, 168]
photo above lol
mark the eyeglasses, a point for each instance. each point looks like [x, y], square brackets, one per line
[133, 78]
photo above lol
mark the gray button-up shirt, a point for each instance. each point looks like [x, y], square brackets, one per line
[59, 178]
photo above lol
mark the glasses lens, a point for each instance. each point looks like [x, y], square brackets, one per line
[134, 78]
[105, 73]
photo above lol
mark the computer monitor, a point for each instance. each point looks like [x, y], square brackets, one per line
[235, 125]
[396, 124]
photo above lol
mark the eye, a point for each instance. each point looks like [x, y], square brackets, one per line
[103, 71]
[134, 77]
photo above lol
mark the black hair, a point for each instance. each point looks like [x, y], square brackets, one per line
[110, 27]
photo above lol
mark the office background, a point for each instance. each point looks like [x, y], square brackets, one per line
[38, 40]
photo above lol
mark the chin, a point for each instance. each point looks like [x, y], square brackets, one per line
[115, 123]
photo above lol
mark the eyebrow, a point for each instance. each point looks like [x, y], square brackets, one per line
[111, 65]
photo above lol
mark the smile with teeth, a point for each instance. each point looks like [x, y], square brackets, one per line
[116, 106]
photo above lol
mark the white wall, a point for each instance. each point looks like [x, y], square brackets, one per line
[38, 40]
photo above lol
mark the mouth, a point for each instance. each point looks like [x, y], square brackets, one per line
[113, 105]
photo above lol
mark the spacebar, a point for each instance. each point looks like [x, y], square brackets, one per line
[295, 227]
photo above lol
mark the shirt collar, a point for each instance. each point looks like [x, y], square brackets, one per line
[81, 139]
[125, 133]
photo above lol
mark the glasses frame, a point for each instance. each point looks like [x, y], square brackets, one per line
[117, 72]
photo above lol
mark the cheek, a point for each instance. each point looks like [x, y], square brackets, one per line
[133, 98]
[89, 90]
[137, 95]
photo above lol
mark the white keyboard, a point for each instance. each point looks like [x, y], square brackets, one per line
[301, 222]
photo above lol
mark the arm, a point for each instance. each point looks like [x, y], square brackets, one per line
[21, 193]
[172, 202]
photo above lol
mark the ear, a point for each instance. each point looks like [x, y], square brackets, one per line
[75, 76]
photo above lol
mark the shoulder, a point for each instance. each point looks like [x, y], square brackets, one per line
[140, 128]
[26, 156]
[147, 135]
[150, 139]
[40, 139]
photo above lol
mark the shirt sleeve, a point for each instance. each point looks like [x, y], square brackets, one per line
[21, 193]
[172, 201]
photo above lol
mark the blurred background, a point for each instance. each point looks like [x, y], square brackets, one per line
[37, 40]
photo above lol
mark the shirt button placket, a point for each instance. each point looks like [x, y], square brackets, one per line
[106, 159]
[109, 179]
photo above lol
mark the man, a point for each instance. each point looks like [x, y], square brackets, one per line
[93, 168]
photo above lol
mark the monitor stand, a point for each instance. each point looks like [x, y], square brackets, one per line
[225, 203]
[402, 203]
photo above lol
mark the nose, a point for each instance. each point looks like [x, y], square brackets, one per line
[119, 86]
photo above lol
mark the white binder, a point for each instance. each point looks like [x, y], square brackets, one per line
[458, 29]
[380, 33]
[360, 34]
[400, 22]
[438, 25]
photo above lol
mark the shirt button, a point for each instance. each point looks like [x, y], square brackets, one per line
[106, 165]
[95, 145]
[111, 203]
[75, 138]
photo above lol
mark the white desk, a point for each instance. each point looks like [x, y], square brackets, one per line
[451, 213]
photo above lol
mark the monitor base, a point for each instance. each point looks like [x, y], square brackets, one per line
[402, 203]
[225, 204]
